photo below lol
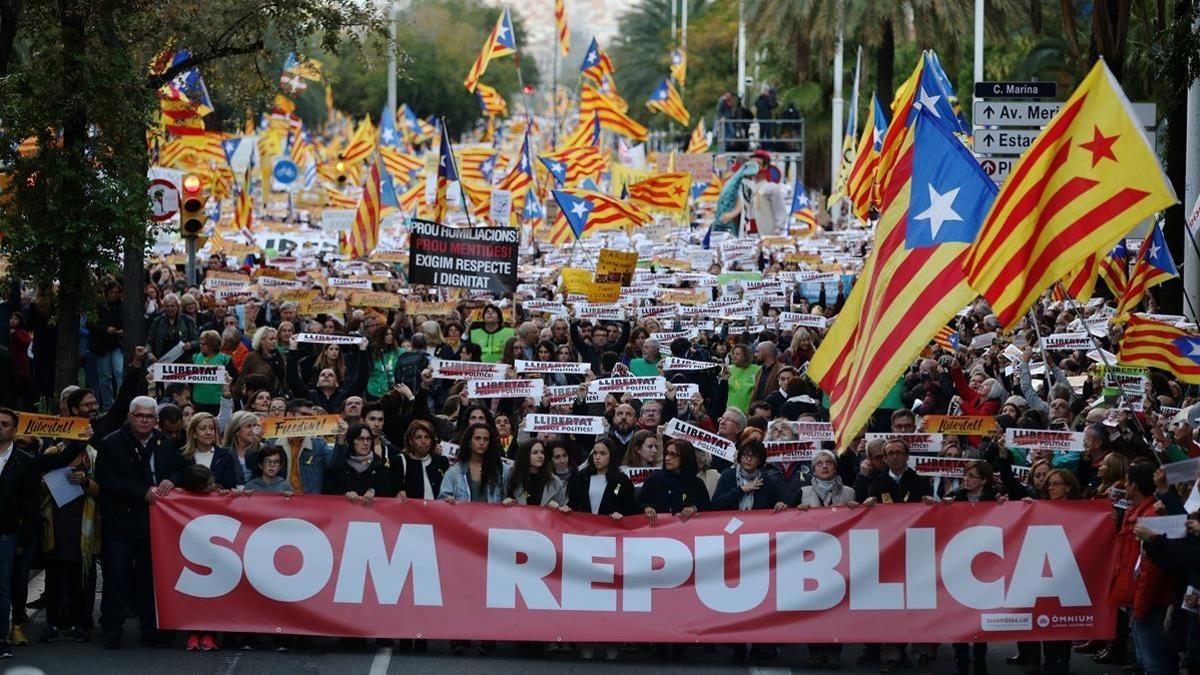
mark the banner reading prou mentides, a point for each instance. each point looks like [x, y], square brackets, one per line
[897, 573]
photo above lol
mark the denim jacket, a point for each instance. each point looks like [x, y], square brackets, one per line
[456, 485]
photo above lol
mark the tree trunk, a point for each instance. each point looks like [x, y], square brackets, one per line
[1175, 74]
[133, 303]
[10, 18]
[1110, 28]
[885, 65]
[1035, 16]
[72, 266]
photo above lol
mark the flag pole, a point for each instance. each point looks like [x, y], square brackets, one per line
[461, 190]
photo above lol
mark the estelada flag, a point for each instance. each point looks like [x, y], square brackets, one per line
[1086, 180]
[592, 101]
[666, 99]
[500, 42]
[1154, 344]
[699, 139]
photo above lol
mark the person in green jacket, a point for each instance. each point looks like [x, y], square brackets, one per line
[207, 397]
[492, 334]
[648, 364]
[741, 373]
[384, 354]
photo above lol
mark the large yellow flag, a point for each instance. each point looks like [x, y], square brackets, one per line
[1087, 179]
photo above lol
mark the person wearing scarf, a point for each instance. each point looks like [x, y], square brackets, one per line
[675, 488]
[745, 486]
[362, 475]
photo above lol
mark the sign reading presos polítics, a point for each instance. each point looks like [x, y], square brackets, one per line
[505, 389]
[679, 363]
[944, 467]
[188, 373]
[543, 367]
[790, 451]
[1067, 341]
[637, 387]
[477, 258]
[702, 440]
[329, 339]
[820, 432]
[1038, 439]
[357, 283]
[564, 424]
[918, 443]
[463, 370]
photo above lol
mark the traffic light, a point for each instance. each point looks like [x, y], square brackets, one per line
[191, 208]
[341, 173]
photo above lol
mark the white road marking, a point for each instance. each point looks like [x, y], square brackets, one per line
[379, 665]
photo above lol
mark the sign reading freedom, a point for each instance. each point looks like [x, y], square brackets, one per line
[950, 572]
[478, 258]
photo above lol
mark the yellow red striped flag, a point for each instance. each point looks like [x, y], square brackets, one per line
[560, 22]
[1086, 180]
[593, 102]
[364, 233]
[500, 42]
[1154, 344]
[664, 191]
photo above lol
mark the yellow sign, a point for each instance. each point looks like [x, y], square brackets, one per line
[959, 425]
[389, 256]
[415, 307]
[374, 299]
[315, 307]
[684, 297]
[576, 280]
[616, 266]
[47, 426]
[296, 427]
[297, 295]
[603, 293]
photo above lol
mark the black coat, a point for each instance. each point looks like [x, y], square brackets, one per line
[727, 495]
[672, 494]
[911, 488]
[123, 474]
[19, 498]
[406, 475]
[342, 479]
[225, 469]
[618, 495]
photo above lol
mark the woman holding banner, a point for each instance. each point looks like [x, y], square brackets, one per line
[480, 474]
[201, 448]
[531, 481]
[362, 475]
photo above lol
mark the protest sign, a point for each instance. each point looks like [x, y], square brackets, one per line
[944, 467]
[1067, 342]
[377, 299]
[417, 308]
[316, 307]
[616, 266]
[564, 424]
[541, 367]
[819, 432]
[49, 426]
[187, 373]
[300, 427]
[638, 474]
[959, 425]
[678, 363]
[505, 389]
[918, 443]
[1183, 471]
[637, 387]
[316, 565]
[477, 258]
[790, 451]
[329, 339]
[351, 283]
[702, 440]
[1034, 439]
[463, 370]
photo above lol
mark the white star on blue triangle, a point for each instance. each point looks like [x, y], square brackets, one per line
[556, 169]
[576, 210]
[950, 194]
[1189, 347]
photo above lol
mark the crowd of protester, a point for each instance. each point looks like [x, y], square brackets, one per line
[406, 434]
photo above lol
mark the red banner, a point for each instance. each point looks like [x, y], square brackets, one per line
[905, 573]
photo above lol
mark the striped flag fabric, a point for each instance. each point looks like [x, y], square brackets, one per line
[861, 179]
[666, 100]
[1114, 268]
[679, 66]
[447, 173]
[412, 196]
[699, 139]
[520, 179]
[491, 101]
[946, 338]
[1086, 180]
[802, 207]
[574, 164]
[1080, 284]
[596, 66]
[582, 211]
[587, 133]
[364, 233]
[912, 284]
[1154, 344]
[560, 24]
[712, 192]
[340, 200]
[1153, 266]
[362, 144]
[243, 212]
[663, 191]
[479, 163]
[500, 42]
[593, 102]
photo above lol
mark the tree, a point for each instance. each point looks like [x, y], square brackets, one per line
[78, 206]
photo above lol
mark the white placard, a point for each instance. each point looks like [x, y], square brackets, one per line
[328, 339]
[637, 387]
[188, 373]
[568, 367]
[702, 440]
[678, 363]
[918, 444]
[500, 208]
[505, 389]
[1032, 439]
[357, 283]
[1067, 341]
[463, 370]
[564, 424]
[784, 452]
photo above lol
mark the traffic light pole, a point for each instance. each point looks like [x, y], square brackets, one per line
[190, 243]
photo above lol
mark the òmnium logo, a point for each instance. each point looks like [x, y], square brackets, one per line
[1003, 622]
[1043, 621]
[1065, 620]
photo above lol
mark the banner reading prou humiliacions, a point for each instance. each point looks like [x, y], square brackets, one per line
[898, 573]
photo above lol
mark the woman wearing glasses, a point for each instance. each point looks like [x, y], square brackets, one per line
[362, 475]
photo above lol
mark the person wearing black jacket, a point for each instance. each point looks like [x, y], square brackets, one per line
[898, 484]
[600, 487]
[84, 403]
[136, 464]
[591, 350]
[104, 345]
[416, 471]
[745, 486]
[19, 516]
[361, 476]
[675, 488]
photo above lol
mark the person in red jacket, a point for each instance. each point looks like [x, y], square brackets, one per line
[1138, 583]
[981, 396]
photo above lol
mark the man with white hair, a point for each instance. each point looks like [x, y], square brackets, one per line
[135, 465]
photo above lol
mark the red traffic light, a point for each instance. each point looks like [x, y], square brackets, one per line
[528, 89]
[191, 183]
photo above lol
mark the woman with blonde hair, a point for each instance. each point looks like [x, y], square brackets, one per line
[242, 437]
[265, 360]
[433, 336]
[200, 447]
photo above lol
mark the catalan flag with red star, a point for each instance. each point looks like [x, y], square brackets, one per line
[1086, 180]
[662, 192]
[1154, 266]
[582, 211]
[447, 173]
[593, 102]
[364, 233]
[1148, 343]
[500, 42]
[560, 23]
[666, 100]
[802, 207]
